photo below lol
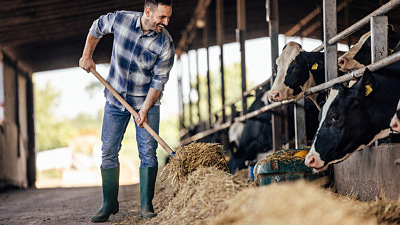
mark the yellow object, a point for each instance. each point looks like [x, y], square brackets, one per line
[368, 90]
[315, 66]
[302, 154]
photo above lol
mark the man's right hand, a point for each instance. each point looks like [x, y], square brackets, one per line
[86, 63]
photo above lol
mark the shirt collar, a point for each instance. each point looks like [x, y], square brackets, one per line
[138, 25]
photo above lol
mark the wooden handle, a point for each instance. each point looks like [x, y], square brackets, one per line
[132, 111]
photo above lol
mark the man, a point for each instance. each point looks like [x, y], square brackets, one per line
[142, 57]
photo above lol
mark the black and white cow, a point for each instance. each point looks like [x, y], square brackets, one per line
[297, 70]
[395, 123]
[360, 54]
[255, 136]
[354, 117]
[252, 137]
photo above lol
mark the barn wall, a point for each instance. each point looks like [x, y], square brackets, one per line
[370, 173]
[14, 136]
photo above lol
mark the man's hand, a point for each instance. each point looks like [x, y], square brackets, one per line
[86, 63]
[142, 118]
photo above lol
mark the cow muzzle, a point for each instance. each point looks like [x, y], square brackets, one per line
[395, 124]
[346, 64]
[274, 96]
[315, 162]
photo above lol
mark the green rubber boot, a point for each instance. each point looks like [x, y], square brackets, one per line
[110, 204]
[148, 177]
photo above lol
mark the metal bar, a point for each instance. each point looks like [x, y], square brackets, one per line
[261, 110]
[355, 27]
[379, 37]
[354, 74]
[357, 73]
[206, 133]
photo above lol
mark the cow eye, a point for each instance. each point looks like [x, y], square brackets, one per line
[334, 118]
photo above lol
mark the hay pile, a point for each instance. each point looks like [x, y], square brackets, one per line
[200, 198]
[290, 203]
[386, 212]
[193, 156]
[283, 156]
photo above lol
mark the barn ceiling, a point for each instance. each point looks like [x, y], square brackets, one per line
[44, 35]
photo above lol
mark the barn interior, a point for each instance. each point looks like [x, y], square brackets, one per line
[46, 35]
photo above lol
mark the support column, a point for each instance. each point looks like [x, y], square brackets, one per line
[190, 91]
[330, 30]
[273, 22]
[180, 95]
[241, 37]
[220, 42]
[198, 85]
[379, 37]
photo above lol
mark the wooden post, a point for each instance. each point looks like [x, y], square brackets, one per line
[330, 30]
[241, 37]
[379, 37]
[220, 42]
[273, 21]
[198, 85]
[190, 91]
[180, 96]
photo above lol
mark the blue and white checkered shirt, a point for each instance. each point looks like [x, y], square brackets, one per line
[138, 62]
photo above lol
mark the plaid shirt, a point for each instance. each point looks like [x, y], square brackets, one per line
[138, 62]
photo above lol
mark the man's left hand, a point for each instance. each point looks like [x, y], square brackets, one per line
[142, 118]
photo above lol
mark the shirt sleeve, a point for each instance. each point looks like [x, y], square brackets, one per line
[163, 66]
[103, 25]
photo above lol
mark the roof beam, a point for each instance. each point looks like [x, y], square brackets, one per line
[303, 22]
[190, 32]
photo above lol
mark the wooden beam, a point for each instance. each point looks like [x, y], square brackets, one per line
[307, 19]
[186, 38]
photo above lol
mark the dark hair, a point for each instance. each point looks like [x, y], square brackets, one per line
[154, 3]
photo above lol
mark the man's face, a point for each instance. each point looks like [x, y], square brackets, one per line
[159, 18]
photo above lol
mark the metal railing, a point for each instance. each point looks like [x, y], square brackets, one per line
[349, 76]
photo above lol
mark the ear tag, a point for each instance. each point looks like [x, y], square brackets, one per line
[314, 67]
[391, 51]
[368, 90]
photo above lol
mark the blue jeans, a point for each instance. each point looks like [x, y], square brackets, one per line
[115, 122]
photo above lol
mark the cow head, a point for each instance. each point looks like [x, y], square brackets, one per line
[395, 123]
[344, 122]
[293, 73]
[360, 54]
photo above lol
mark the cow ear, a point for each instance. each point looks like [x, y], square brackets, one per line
[366, 85]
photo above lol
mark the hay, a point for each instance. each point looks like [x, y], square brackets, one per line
[192, 157]
[283, 156]
[293, 203]
[386, 212]
[200, 198]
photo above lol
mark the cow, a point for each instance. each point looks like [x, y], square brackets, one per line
[395, 123]
[354, 117]
[297, 70]
[360, 54]
[252, 137]
[255, 135]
